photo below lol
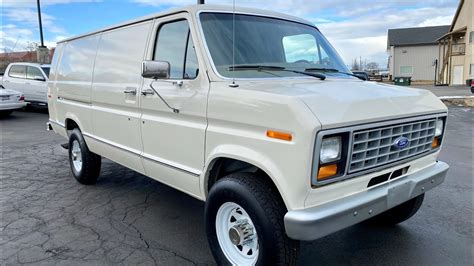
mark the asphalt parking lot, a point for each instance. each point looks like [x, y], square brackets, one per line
[46, 217]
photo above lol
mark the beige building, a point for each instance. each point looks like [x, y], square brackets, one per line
[414, 51]
[456, 48]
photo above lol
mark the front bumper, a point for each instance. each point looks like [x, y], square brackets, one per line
[316, 222]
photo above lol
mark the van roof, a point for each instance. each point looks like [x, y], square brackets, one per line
[194, 9]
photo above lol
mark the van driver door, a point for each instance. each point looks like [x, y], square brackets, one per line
[173, 140]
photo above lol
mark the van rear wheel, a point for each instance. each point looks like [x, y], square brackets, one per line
[244, 223]
[85, 165]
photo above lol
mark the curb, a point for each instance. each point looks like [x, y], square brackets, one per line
[465, 101]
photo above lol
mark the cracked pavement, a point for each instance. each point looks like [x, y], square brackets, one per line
[47, 218]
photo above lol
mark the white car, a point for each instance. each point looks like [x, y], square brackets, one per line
[29, 78]
[10, 100]
[272, 131]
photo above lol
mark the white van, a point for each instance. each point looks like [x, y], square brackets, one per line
[271, 130]
[31, 79]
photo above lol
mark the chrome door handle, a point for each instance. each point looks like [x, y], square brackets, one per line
[129, 90]
[147, 92]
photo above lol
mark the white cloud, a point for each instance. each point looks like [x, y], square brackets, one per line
[440, 20]
[32, 3]
[344, 8]
[23, 28]
[355, 28]
[14, 38]
[366, 35]
[369, 48]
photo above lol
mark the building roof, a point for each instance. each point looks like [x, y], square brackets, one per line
[456, 15]
[195, 9]
[416, 36]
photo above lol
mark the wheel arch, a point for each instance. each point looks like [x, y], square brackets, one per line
[71, 122]
[223, 164]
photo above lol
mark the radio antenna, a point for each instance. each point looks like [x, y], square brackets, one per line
[233, 85]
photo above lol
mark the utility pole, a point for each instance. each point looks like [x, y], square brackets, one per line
[40, 23]
[42, 53]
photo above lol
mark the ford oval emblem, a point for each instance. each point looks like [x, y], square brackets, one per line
[401, 143]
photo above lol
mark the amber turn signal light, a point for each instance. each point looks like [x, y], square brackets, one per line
[279, 135]
[435, 143]
[327, 171]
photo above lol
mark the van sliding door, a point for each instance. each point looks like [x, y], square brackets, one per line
[115, 94]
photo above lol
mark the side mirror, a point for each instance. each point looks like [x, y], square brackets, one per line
[37, 78]
[156, 69]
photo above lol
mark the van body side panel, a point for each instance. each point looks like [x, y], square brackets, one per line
[239, 119]
[173, 143]
[74, 80]
[116, 113]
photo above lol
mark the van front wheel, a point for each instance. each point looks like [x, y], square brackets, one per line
[85, 165]
[244, 223]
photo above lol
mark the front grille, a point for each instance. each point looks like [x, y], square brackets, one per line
[375, 147]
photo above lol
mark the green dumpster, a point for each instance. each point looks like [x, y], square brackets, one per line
[402, 81]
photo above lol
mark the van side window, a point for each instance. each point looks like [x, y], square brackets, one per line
[191, 67]
[17, 72]
[33, 73]
[175, 45]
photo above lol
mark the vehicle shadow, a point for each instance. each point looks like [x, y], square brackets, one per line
[361, 244]
[35, 109]
[172, 219]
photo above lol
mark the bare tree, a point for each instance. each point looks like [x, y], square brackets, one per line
[31, 46]
[355, 65]
[372, 65]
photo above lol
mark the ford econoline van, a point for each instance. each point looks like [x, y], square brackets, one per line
[256, 114]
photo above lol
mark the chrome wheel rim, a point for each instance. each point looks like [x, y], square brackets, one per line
[76, 156]
[236, 234]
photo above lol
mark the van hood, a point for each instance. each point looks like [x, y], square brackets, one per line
[343, 102]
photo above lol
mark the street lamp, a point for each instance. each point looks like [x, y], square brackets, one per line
[42, 53]
[40, 23]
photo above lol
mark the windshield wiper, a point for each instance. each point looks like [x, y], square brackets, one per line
[331, 70]
[275, 68]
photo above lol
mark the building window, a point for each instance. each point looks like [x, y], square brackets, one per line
[406, 70]
[471, 70]
[471, 37]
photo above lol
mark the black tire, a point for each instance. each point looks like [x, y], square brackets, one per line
[260, 199]
[91, 162]
[5, 113]
[399, 213]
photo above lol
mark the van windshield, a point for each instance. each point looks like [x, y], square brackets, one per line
[273, 43]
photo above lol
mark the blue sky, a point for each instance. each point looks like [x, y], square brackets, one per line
[355, 27]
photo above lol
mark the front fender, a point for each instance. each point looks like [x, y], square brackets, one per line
[252, 157]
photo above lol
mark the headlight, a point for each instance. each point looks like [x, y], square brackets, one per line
[438, 134]
[439, 128]
[330, 150]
